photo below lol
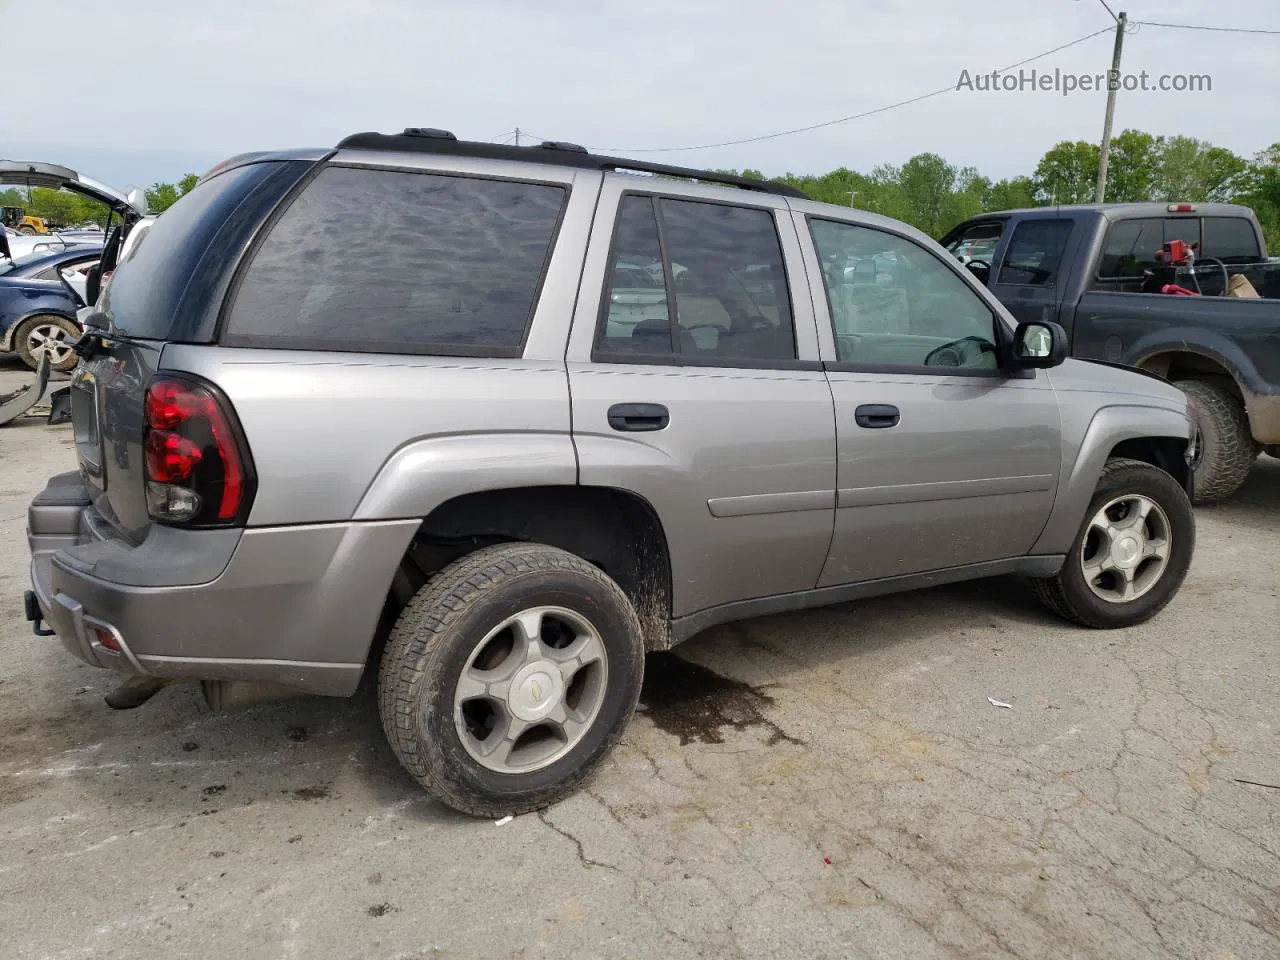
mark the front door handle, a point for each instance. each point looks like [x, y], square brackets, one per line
[639, 417]
[877, 416]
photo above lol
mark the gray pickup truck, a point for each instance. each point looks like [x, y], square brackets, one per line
[1154, 286]
[490, 423]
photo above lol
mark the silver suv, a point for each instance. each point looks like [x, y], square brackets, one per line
[494, 422]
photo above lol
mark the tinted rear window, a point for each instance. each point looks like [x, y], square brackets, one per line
[144, 295]
[1231, 240]
[389, 261]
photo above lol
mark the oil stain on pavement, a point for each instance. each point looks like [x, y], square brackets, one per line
[694, 703]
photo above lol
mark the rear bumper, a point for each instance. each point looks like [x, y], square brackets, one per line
[295, 606]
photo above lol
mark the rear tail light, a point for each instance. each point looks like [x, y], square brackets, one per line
[198, 469]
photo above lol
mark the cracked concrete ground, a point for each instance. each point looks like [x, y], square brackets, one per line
[865, 798]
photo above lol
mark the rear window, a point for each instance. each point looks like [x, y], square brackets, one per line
[1231, 240]
[391, 261]
[147, 294]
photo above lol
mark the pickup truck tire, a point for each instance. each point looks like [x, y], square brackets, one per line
[1132, 552]
[47, 331]
[510, 638]
[1227, 447]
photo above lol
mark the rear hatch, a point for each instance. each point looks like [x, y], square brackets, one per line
[168, 289]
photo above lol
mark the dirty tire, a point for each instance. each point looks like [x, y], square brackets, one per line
[436, 635]
[24, 348]
[27, 230]
[1227, 448]
[1067, 593]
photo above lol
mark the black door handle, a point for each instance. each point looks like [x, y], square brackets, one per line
[877, 416]
[639, 417]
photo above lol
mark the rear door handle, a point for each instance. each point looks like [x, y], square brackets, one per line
[877, 416]
[639, 417]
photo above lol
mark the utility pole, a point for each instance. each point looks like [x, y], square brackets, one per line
[517, 136]
[1113, 81]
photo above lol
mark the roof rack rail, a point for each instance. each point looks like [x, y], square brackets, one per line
[560, 153]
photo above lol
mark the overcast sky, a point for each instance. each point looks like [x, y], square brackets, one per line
[159, 87]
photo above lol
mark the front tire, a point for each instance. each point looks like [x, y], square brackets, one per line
[1132, 552]
[1227, 448]
[509, 677]
[51, 334]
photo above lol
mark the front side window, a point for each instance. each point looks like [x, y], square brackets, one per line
[1035, 253]
[717, 268]
[894, 304]
[388, 261]
[977, 242]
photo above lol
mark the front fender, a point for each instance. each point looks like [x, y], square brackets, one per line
[1110, 426]
[422, 475]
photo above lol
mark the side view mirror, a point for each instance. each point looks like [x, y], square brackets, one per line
[1040, 344]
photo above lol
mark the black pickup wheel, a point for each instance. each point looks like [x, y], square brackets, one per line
[1227, 449]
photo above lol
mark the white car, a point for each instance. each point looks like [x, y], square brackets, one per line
[128, 209]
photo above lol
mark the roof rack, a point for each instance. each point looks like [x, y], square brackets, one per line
[559, 153]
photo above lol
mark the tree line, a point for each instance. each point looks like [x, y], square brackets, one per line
[60, 208]
[933, 195]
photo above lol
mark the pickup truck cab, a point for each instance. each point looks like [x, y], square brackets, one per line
[1115, 279]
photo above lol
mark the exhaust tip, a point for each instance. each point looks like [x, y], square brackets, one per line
[134, 692]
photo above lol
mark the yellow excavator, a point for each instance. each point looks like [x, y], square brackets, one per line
[15, 218]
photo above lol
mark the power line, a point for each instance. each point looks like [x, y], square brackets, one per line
[1192, 26]
[1109, 10]
[838, 120]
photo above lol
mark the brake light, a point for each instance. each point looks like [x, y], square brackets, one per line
[1182, 208]
[197, 469]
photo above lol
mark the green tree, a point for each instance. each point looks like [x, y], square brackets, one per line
[1016, 193]
[1196, 171]
[1260, 189]
[161, 196]
[188, 183]
[1068, 173]
[1131, 168]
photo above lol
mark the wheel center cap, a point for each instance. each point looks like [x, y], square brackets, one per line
[1126, 552]
[536, 690]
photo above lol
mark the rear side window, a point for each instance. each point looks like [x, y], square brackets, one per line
[717, 268]
[1035, 253]
[1231, 240]
[1131, 248]
[389, 261]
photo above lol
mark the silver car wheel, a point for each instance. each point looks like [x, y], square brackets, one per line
[1126, 549]
[531, 690]
[51, 339]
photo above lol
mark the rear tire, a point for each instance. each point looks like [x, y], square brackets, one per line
[1132, 552]
[509, 677]
[27, 230]
[49, 333]
[1227, 448]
